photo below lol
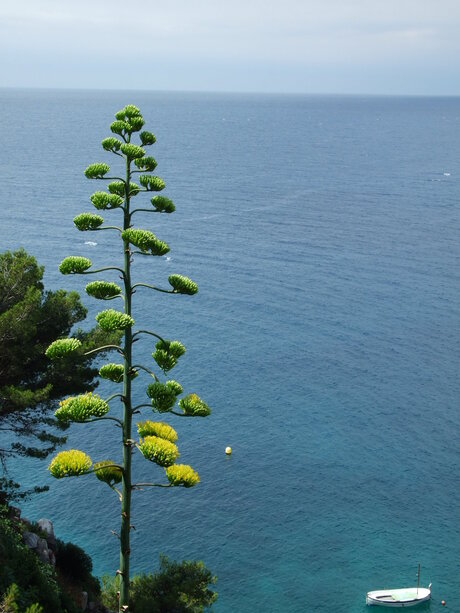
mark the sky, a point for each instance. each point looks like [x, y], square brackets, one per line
[288, 46]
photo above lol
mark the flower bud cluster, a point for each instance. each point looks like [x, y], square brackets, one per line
[71, 463]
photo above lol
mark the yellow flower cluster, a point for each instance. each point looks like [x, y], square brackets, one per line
[181, 474]
[70, 463]
[157, 428]
[158, 450]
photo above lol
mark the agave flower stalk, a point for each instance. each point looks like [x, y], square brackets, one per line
[157, 440]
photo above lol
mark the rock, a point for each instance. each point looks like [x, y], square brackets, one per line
[14, 513]
[30, 539]
[52, 557]
[82, 601]
[42, 551]
[47, 527]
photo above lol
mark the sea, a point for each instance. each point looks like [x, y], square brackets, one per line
[323, 233]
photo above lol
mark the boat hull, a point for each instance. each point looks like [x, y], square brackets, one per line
[398, 599]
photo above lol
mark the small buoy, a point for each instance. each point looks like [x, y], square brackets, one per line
[228, 450]
[443, 602]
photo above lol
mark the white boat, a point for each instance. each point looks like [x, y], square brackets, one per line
[405, 597]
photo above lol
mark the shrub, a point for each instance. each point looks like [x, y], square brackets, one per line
[178, 587]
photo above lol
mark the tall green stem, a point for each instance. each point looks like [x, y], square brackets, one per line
[127, 419]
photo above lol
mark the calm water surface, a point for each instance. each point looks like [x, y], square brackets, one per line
[323, 234]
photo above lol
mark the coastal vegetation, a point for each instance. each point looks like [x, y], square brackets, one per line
[62, 580]
[156, 440]
[32, 585]
[30, 318]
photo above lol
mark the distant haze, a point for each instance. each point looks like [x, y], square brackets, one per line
[307, 46]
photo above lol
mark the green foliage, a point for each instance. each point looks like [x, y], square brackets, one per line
[146, 163]
[146, 241]
[157, 428]
[194, 406]
[30, 319]
[74, 265]
[96, 171]
[181, 474]
[110, 320]
[103, 201]
[103, 290]
[183, 285]
[159, 450]
[108, 472]
[152, 183]
[39, 588]
[81, 408]
[73, 561]
[36, 581]
[178, 587]
[8, 603]
[162, 204]
[71, 463]
[88, 221]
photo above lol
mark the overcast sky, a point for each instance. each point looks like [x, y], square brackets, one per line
[311, 46]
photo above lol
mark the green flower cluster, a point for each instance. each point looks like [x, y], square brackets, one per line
[167, 353]
[163, 395]
[183, 285]
[80, 408]
[128, 120]
[194, 406]
[74, 265]
[158, 450]
[96, 171]
[115, 372]
[88, 221]
[157, 428]
[146, 163]
[132, 152]
[103, 290]
[181, 474]
[131, 115]
[118, 188]
[147, 138]
[162, 204]
[111, 144]
[146, 241]
[103, 201]
[62, 347]
[71, 463]
[108, 472]
[152, 183]
[111, 320]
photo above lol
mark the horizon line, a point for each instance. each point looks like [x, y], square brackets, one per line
[226, 92]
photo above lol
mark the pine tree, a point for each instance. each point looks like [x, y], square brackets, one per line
[156, 439]
[30, 318]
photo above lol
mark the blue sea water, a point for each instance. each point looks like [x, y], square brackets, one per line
[323, 234]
